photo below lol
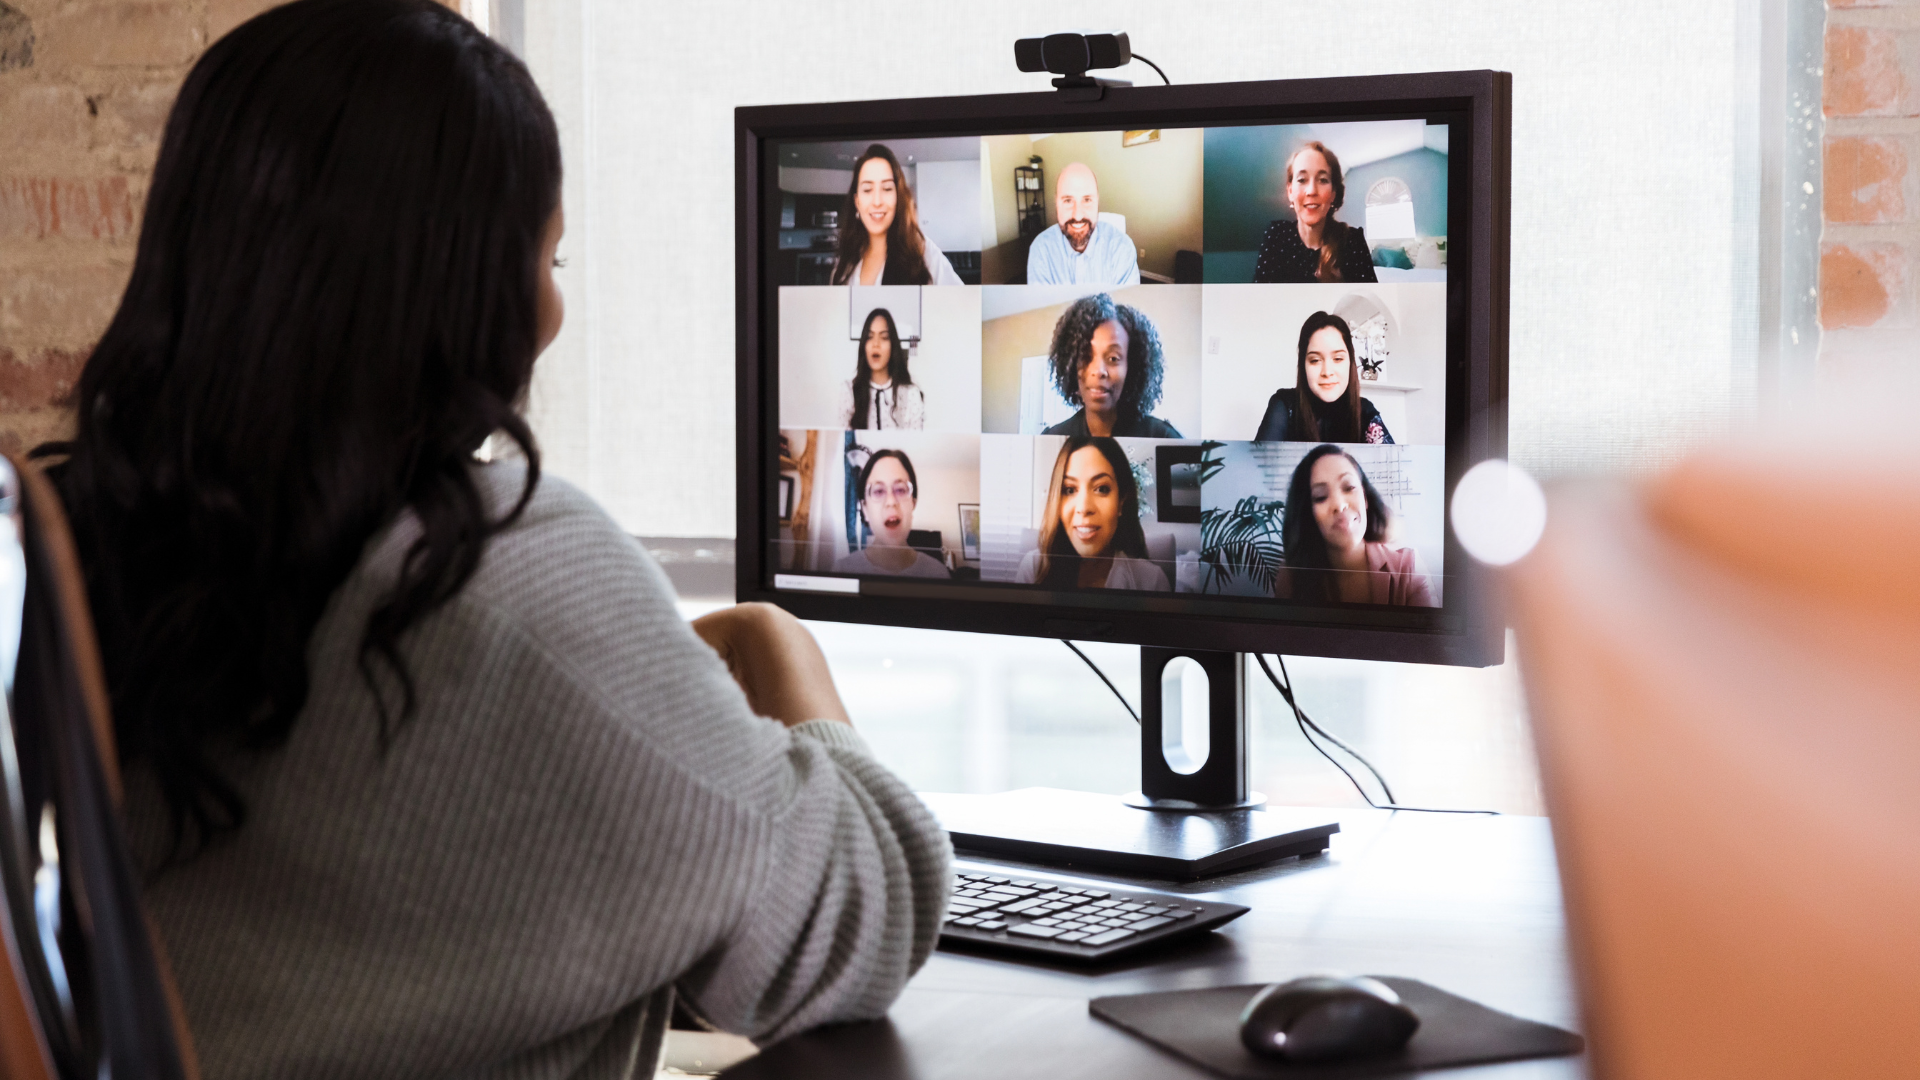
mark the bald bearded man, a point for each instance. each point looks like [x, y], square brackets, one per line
[1080, 250]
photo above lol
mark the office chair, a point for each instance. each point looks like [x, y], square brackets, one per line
[1727, 707]
[86, 993]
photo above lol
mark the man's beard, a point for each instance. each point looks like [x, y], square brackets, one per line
[1078, 232]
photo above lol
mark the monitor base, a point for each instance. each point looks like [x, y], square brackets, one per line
[1083, 830]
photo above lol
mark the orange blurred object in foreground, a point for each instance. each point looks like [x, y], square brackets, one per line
[1724, 674]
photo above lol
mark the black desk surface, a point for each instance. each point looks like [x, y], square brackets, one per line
[1470, 904]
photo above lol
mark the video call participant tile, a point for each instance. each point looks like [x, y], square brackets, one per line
[880, 358]
[1101, 208]
[1372, 360]
[900, 504]
[1066, 359]
[1326, 203]
[1324, 523]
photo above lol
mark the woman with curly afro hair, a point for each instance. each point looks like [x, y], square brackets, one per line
[1107, 360]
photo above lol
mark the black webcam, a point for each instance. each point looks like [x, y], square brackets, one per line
[1071, 56]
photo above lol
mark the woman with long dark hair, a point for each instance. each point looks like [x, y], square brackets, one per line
[1107, 359]
[1314, 245]
[1090, 535]
[431, 777]
[1324, 402]
[880, 242]
[881, 393]
[1335, 535]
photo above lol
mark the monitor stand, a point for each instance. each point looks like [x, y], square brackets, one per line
[1193, 817]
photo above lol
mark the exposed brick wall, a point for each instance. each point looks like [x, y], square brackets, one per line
[1870, 245]
[85, 86]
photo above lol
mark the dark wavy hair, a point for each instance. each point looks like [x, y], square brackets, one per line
[1073, 346]
[897, 372]
[1342, 416]
[1059, 564]
[1335, 233]
[906, 245]
[1310, 572]
[333, 303]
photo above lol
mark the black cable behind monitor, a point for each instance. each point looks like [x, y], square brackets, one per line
[1300, 717]
[1103, 678]
[1155, 67]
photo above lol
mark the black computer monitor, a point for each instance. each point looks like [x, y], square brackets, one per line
[1066, 402]
[1191, 367]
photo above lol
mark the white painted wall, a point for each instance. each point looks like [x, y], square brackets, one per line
[1624, 196]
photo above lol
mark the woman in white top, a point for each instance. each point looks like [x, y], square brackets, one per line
[888, 491]
[880, 240]
[881, 393]
[1091, 536]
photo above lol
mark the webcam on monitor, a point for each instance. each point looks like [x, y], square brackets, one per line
[1071, 56]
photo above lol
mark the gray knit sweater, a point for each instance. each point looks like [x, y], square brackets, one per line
[582, 816]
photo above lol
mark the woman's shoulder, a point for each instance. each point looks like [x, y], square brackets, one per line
[559, 554]
[1152, 427]
[1139, 574]
[1029, 571]
[1392, 559]
[1072, 425]
[1278, 417]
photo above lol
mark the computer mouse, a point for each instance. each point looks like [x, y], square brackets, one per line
[1326, 1018]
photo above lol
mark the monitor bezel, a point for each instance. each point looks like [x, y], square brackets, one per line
[1471, 633]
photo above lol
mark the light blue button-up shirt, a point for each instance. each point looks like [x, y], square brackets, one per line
[1109, 259]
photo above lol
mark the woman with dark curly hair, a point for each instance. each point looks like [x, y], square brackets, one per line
[430, 775]
[1315, 245]
[1335, 536]
[1107, 360]
[1324, 402]
[1090, 535]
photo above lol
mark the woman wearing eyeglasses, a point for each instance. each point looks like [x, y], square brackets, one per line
[888, 490]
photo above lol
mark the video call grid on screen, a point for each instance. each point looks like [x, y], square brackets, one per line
[934, 435]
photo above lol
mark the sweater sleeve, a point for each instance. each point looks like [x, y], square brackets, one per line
[811, 881]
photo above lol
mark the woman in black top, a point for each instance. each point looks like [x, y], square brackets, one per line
[1107, 360]
[1324, 402]
[1314, 246]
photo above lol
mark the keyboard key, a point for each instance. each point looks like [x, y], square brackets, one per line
[1110, 937]
[1154, 911]
[1176, 915]
[1093, 894]
[1030, 930]
[1044, 922]
[995, 880]
[969, 921]
[1017, 891]
[1022, 908]
[1071, 935]
[991, 925]
[1070, 889]
[1133, 907]
[1153, 924]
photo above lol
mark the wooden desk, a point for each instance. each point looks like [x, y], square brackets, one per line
[1471, 904]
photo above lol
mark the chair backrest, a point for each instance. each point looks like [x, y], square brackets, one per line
[1727, 707]
[85, 992]
[1117, 221]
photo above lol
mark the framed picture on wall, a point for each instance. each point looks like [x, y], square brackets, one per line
[787, 486]
[970, 530]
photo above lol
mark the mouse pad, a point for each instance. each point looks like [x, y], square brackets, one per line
[1203, 1026]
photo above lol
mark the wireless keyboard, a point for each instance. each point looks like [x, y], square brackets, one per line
[1058, 921]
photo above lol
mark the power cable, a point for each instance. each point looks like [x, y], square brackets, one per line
[1103, 678]
[1155, 67]
[1300, 717]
